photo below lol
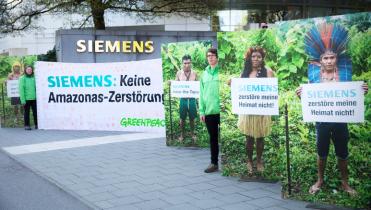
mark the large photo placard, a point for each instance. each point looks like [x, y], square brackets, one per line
[183, 64]
[255, 96]
[100, 96]
[333, 102]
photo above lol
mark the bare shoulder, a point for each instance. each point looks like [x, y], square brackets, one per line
[270, 72]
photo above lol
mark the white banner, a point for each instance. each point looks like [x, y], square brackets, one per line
[255, 96]
[101, 96]
[12, 88]
[333, 102]
[185, 89]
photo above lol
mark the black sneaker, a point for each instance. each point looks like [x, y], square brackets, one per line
[27, 128]
[211, 168]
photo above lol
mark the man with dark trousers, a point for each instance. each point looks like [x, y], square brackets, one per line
[326, 50]
[210, 105]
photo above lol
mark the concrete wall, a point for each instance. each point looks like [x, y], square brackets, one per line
[66, 44]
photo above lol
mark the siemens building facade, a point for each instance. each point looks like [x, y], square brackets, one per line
[237, 15]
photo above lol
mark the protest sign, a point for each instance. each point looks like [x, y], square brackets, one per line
[12, 89]
[255, 96]
[185, 89]
[333, 102]
[101, 96]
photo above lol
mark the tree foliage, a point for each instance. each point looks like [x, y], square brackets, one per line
[17, 15]
[51, 56]
[6, 63]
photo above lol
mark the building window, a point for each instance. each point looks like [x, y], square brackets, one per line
[320, 12]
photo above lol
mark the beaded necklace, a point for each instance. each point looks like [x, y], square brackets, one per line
[333, 78]
[187, 75]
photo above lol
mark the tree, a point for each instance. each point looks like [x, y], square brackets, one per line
[51, 56]
[17, 15]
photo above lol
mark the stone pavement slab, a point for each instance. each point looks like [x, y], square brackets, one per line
[141, 174]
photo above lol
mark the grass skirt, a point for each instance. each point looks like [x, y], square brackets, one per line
[256, 126]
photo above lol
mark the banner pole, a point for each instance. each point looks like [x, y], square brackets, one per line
[171, 114]
[3, 102]
[288, 150]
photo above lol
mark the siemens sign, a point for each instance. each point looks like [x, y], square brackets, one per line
[106, 46]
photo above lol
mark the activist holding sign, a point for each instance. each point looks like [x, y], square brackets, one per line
[210, 105]
[27, 92]
[187, 106]
[255, 126]
[15, 101]
[326, 47]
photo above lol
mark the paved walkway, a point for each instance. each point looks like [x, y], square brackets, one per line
[18, 185]
[113, 170]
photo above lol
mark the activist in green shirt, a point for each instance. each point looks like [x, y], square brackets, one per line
[209, 91]
[27, 93]
[210, 105]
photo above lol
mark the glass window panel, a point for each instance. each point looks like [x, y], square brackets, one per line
[347, 11]
[224, 20]
[293, 13]
[239, 17]
[320, 11]
[321, 2]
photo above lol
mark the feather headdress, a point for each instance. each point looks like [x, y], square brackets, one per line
[328, 38]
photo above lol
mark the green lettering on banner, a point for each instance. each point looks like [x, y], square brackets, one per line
[123, 122]
[140, 122]
[147, 122]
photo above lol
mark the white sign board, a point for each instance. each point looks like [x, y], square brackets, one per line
[185, 89]
[255, 96]
[101, 96]
[12, 88]
[333, 102]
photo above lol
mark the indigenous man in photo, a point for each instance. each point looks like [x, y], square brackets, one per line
[187, 105]
[326, 46]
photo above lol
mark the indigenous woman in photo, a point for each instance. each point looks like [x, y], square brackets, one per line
[255, 127]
